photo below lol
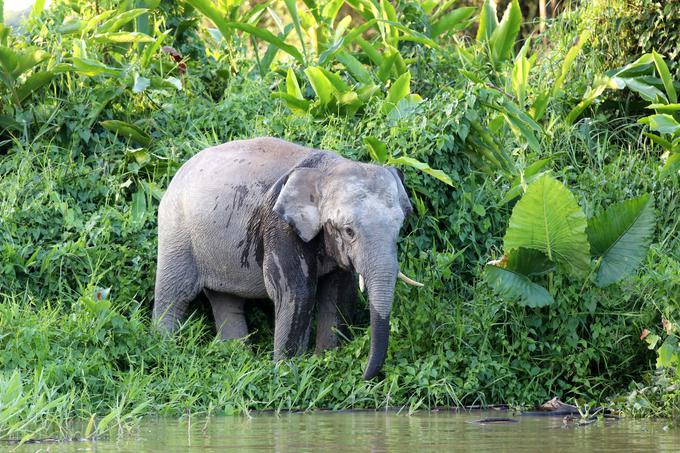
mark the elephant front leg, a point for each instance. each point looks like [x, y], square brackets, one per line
[290, 279]
[337, 299]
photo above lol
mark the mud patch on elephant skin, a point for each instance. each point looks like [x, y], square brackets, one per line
[254, 236]
[240, 193]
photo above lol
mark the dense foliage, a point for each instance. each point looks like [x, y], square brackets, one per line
[101, 105]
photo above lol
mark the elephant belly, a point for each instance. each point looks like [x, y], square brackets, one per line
[225, 250]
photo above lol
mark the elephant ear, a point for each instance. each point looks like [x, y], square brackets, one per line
[403, 196]
[298, 200]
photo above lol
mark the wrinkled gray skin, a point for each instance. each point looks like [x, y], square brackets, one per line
[265, 218]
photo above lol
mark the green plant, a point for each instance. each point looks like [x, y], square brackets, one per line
[649, 77]
[378, 152]
[668, 350]
[548, 229]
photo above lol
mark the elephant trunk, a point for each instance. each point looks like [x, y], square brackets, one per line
[380, 285]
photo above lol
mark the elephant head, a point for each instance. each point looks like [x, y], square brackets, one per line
[359, 209]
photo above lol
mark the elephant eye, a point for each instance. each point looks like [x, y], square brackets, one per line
[349, 232]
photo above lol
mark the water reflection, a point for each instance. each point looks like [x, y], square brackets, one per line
[383, 432]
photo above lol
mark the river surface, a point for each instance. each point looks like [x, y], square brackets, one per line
[329, 432]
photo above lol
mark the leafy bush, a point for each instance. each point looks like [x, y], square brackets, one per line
[548, 230]
[630, 28]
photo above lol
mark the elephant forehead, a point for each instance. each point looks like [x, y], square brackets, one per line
[366, 208]
[363, 185]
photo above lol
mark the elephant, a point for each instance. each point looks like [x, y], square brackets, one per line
[266, 218]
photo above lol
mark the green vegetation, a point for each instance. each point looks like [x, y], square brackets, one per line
[101, 105]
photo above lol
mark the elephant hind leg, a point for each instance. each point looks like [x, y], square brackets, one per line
[229, 316]
[177, 284]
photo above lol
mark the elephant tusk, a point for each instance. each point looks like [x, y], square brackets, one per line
[362, 284]
[408, 280]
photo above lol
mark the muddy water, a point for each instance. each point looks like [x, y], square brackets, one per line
[384, 432]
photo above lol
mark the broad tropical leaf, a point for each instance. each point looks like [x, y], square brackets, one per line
[115, 23]
[122, 37]
[520, 72]
[661, 122]
[376, 149]
[92, 68]
[665, 108]
[528, 262]
[452, 21]
[399, 90]
[569, 60]
[33, 84]
[672, 165]
[422, 166]
[292, 9]
[513, 285]
[620, 236]
[549, 219]
[298, 106]
[27, 59]
[502, 39]
[646, 91]
[488, 21]
[127, 130]
[321, 85]
[354, 67]
[665, 75]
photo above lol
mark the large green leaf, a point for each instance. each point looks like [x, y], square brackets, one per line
[8, 60]
[297, 105]
[33, 84]
[128, 130]
[452, 21]
[549, 219]
[520, 72]
[664, 108]
[116, 22]
[92, 68]
[569, 60]
[354, 67]
[661, 122]
[665, 75]
[292, 10]
[503, 37]
[513, 285]
[488, 20]
[528, 262]
[377, 149]
[620, 236]
[422, 166]
[27, 59]
[321, 85]
[672, 165]
[645, 90]
[399, 90]
[122, 37]
[292, 86]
